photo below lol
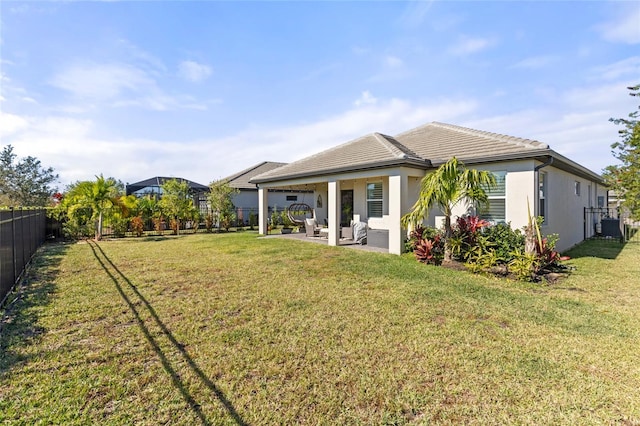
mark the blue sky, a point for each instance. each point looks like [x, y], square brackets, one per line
[204, 89]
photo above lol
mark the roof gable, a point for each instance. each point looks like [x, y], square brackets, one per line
[241, 179]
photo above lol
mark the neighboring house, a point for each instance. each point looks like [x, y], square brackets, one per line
[153, 187]
[246, 200]
[376, 178]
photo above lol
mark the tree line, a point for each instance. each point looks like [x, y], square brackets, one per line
[84, 205]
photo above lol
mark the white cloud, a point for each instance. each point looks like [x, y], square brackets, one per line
[629, 67]
[193, 71]
[415, 13]
[365, 99]
[393, 61]
[575, 123]
[535, 62]
[117, 85]
[102, 81]
[625, 28]
[469, 45]
[73, 149]
[11, 124]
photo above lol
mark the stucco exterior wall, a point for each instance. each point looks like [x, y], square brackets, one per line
[565, 208]
[248, 199]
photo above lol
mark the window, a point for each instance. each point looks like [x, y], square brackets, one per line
[542, 196]
[577, 188]
[292, 198]
[600, 201]
[374, 199]
[495, 210]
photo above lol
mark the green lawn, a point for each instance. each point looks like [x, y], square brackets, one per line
[232, 329]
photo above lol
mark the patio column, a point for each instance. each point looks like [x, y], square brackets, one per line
[398, 193]
[333, 212]
[263, 210]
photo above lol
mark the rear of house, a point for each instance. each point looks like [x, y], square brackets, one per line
[376, 179]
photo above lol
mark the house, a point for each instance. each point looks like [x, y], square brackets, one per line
[246, 200]
[153, 187]
[376, 179]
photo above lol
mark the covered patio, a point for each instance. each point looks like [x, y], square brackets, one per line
[348, 243]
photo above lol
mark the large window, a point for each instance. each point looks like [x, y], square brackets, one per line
[374, 199]
[542, 197]
[495, 210]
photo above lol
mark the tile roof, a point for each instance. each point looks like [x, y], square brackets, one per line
[368, 151]
[439, 142]
[425, 147]
[241, 179]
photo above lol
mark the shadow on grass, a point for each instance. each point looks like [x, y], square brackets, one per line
[600, 248]
[19, 323]
[117, 276]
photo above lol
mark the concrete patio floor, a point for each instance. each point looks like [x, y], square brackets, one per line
[348, 243]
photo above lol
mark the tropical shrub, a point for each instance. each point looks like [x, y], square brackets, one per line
[253, 220]
[524, 265]
[548, 257]
[227, 219]
[174, 224]
[464, 241]
[209, 222]
[430, 251]
[504, 239]
[137, 226]
[119, 225]
[421, 232]
[158, 224]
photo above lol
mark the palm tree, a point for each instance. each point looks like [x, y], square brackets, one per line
[451, 184]
[101, 195]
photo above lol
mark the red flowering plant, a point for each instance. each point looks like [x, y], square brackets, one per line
[465, 238]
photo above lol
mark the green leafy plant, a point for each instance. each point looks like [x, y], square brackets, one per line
[504, 240]
[119, 225]
[523, 265]
[465, 238]
[253, 220]
[451, 184]
[227, 220]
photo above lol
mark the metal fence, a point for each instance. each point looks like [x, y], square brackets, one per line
[22, 231]
[116, 226]
[610, 223]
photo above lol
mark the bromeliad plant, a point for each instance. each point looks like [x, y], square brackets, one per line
[427, 245]
[430, 251]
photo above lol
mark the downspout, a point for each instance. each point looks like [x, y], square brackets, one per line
[545, 164]
[537, 182]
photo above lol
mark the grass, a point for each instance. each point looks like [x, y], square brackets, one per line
[231, 329]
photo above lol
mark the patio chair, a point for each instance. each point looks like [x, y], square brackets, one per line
[311, 227]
